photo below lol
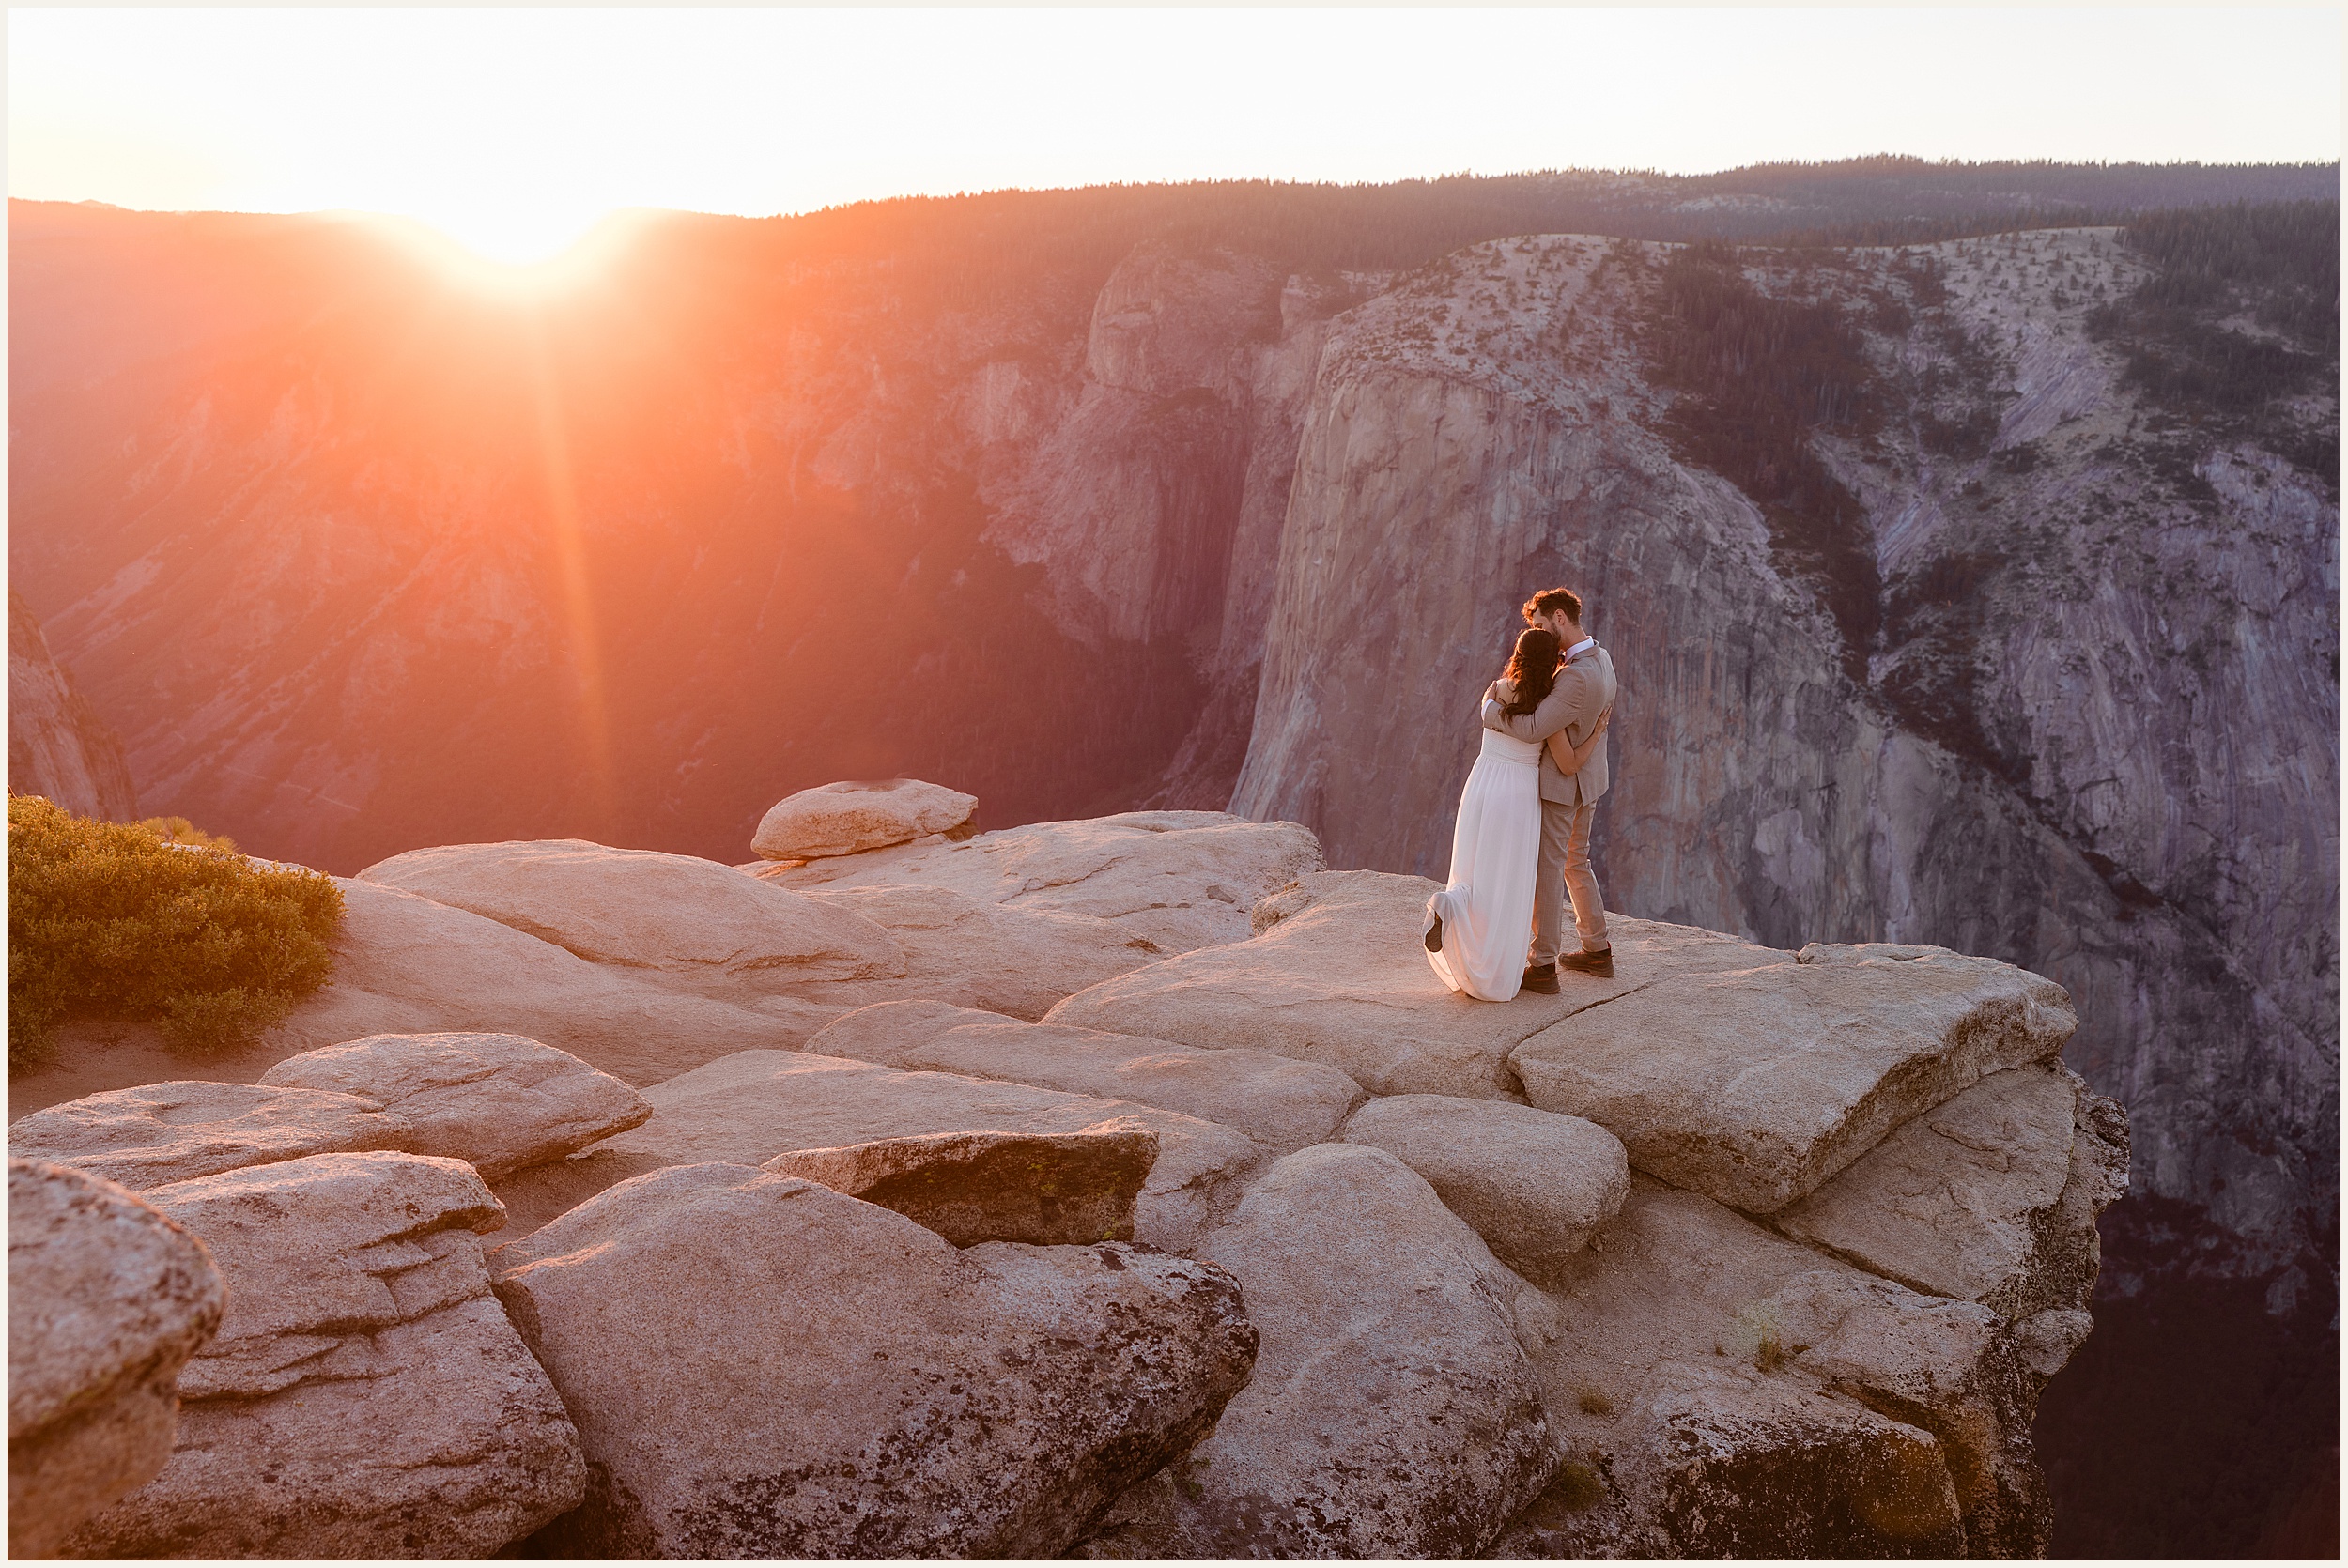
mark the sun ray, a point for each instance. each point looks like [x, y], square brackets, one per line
[570, 561]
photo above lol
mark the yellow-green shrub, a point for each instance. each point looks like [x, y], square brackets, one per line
[178, 830]
[110, 920]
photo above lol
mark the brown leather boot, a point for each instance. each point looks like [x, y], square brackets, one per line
[1541, 977]
[1600, 963]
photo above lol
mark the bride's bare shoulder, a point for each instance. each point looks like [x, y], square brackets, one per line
[1506, 688]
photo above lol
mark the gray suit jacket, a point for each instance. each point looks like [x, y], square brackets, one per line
[1586, 688]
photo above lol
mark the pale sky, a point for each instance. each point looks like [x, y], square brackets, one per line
[514, 129]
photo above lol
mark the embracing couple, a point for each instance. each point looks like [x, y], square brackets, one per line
[1521, 842]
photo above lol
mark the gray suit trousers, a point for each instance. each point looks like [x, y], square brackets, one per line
[1564, 870]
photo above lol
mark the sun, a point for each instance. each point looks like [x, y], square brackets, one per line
[509, 252]
[514, 236]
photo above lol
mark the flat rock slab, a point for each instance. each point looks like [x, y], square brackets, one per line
[1339, 978]
[1282, 1103]
[849, 818]
[1181, 879]
[405, 965]
[1991, 1197]
[749, 1107]
[968, 951]
[159, 1133]
[1392, 1414]
[1045, 1190]
[1755, 1086]
[499, 1102]
[365, 1395]
[107, 1299]
[643, 910]
[761, 1367]
[1534, 1184]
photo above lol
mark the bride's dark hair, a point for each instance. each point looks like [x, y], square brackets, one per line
[1534, 668]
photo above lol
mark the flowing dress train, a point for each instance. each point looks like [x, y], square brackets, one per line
[1486, 907]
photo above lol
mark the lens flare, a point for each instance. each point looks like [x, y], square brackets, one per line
[516, 237]
[568, 539]
[523, 256]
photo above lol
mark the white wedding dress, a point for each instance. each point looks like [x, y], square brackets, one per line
[1486, 909]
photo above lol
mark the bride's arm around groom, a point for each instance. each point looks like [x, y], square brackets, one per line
[1571, 709]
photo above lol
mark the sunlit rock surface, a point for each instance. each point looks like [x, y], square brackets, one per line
[1000, 956]
[166, 1132]
[849, 818]
[1486, 1325]
[749, 1107]
[365, 1395]
[107, 1299]
[762, 1367]
[407, 965]
[1393, 1412]
[1281, 1102]
[637, 910]
[1757, 1086]
[1534, 1184]
[499, 1102]
[1338, 977]
[1990, 1197]
[1180, 879]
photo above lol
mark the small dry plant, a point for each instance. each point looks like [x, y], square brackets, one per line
[1757, 1334]
[1578, 1486]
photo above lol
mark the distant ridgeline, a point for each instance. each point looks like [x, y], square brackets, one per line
[972, 246]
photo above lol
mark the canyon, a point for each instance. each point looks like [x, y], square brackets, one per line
[1958, 595]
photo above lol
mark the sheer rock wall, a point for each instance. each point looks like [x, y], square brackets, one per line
[57, 744]
[2096, 733]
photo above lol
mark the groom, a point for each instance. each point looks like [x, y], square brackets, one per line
[1584, 691]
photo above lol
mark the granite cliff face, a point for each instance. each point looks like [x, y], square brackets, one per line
[2091, 728]
[57, 744]
[2045, 669]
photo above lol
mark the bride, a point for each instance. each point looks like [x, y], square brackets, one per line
[1479, 926]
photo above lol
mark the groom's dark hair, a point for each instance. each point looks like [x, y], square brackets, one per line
[1548, 601]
